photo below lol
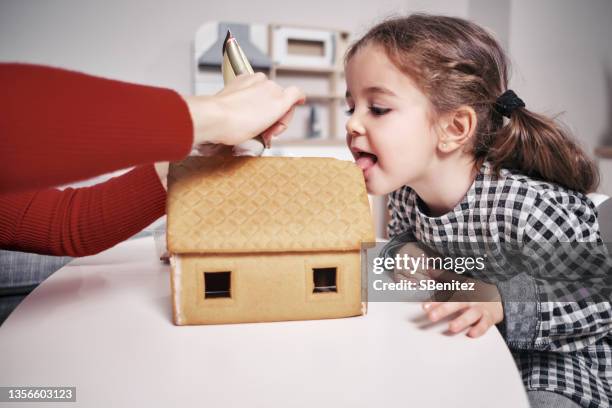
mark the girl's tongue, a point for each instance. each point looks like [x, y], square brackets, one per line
[366, 160]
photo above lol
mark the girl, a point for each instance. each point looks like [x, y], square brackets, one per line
[427, 98]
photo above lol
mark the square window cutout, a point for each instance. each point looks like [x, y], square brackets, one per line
[324, 280]
[217, 285]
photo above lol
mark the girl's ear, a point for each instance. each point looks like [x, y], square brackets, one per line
[458, 128]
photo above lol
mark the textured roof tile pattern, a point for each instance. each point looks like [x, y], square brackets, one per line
[266, 204]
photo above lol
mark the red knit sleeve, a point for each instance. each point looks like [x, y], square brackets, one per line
[82, 221]
[59, 126]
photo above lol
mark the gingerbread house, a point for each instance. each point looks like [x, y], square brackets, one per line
[256, 239]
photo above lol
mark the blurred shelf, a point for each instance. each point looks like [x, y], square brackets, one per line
[307, 70]
[309, 142]
[604, 152]
[342, 32]
[324, 98]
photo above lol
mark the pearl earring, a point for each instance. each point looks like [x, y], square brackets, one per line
[444, 145]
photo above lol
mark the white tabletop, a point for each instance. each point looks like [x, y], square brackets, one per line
[103, 325]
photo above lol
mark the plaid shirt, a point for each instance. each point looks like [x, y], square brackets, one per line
[559, 346]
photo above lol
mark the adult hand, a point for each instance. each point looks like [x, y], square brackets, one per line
[249, 106]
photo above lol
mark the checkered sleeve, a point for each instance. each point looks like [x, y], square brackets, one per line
[394, 225]
[562, 300]
[399, 229]
[399, 214]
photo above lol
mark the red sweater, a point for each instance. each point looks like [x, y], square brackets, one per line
[57, 127]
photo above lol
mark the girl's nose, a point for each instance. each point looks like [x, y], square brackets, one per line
[354, 127]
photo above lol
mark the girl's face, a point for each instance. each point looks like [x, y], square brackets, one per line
[389, 131]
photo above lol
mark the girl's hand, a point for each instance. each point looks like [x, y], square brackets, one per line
[251, 105]
[479, 308]
[477, 316]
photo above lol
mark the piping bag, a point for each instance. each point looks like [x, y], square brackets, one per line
[235, 63]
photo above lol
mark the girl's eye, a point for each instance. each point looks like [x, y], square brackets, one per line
[374, 109]
[379, 111]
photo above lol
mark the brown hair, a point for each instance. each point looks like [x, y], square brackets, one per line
[456, 62]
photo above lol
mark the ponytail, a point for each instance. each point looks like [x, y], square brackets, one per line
[539, 147]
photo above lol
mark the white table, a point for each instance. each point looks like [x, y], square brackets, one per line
[103, 324]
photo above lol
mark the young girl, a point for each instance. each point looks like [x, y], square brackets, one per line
[427, 98]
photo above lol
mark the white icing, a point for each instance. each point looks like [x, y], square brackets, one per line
[175, 262]
[251, 147]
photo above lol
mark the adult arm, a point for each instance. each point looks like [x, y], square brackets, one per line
[59, 126]
[81, 221]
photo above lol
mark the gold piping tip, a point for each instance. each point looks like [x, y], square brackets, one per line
[228, 37]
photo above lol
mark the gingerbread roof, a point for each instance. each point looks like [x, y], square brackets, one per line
[266, 204]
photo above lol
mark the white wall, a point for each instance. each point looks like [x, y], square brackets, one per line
[149, 41]
[562, 55]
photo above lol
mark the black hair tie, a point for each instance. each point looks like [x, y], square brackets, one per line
[507, 103]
